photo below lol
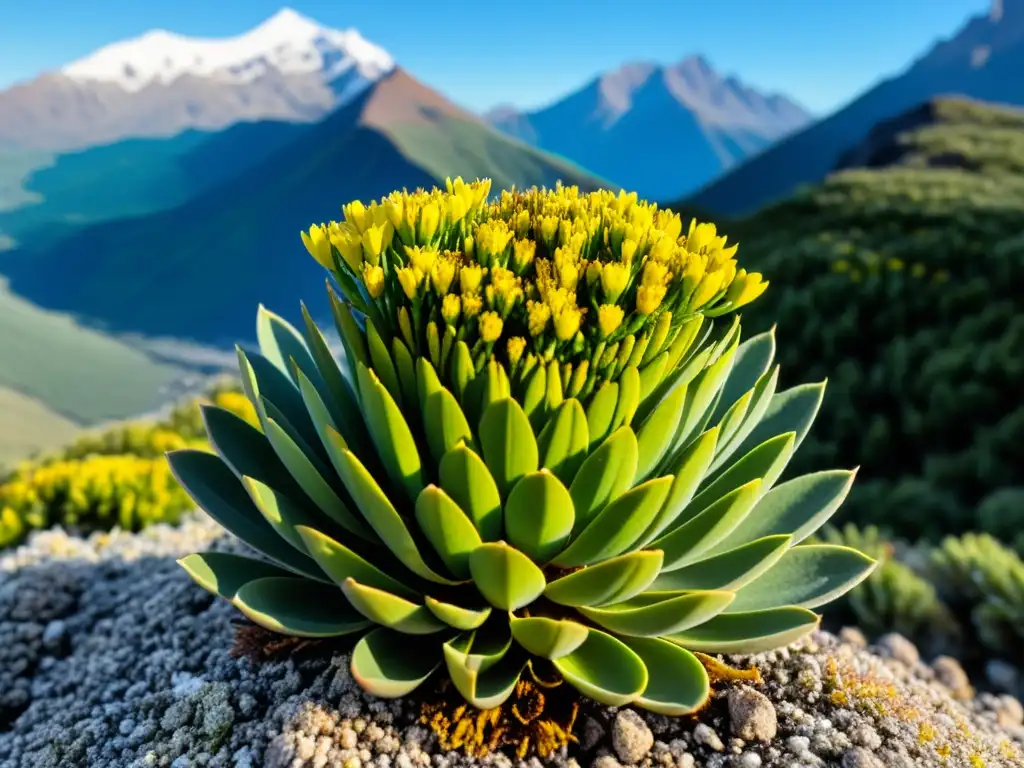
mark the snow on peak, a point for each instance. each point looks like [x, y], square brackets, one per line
[287, 42]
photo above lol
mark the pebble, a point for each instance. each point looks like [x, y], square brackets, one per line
[896, 646]
[631, 737]
[706, 735]
[952, 675]
[858, 757]
[751, 715]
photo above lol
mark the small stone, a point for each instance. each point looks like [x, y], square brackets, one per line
[593, 734]
[751, 715]
[896, 646]
[56, 640]
[705, 734]
[853, 636]
[952, 675]
[606, 761]
[858, 757]
[1003, 676]
[866, 736]
[747, 760]
[1009, 711]
[631, 738]
[798, 745]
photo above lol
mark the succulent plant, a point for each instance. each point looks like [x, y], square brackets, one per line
[600, 491]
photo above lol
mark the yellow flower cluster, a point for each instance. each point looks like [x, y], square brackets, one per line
[100, 491]
[552, 273]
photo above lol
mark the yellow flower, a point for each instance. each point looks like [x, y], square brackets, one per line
[593, 272]
[628, 250]
[422, 259]
[609, 318]
[470, 277]
[472, 304]
[409, 281]
[663, 249]
[649, 297]
[492, 238]
[374, 240]
[567, 323]
[349, 244]
[709, 286]
[548, 229]
[523, 253]
[613, 280]
[451, 308]
[442, 273]
[394, 209]
[430, 219]
[373, 279]
[537, 316]
[745, 288]
[516, 347]
[655, 274]
[490, 327]
[318, 245]
[700, 236]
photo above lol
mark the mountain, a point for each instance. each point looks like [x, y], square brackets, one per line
[660, 130]
[160, 84]
[198, 271]
[983, 60]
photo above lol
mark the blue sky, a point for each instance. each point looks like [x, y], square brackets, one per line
[529, 52]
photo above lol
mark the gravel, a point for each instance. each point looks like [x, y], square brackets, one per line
[110, 656]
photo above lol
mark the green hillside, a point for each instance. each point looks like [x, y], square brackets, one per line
[902, 281]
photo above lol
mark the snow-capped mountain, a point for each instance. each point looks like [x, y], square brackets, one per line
[161, 83]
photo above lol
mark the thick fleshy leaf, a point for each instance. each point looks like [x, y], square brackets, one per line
[506, 577]
[694, 539]
[548, 638]
[539, 515]
[391, 435]
[462, 370]
[678, 377]
[689, 472]
[427, 381]
[612, 581]
[282, 513]
[677, 682]
[798, 507]
[601, 412]
[508, 445]
[484, 673]
[246, 451]
[731, 569]
[604, 476]
[792, 410]
[384, 518]
[604, 669]
[652, 375]
[312, 481]
[564, 441]
[281, 343]
[535, 397]
[447, 528]
[629, 397]
[555, 394]
[701, 397]
[342, 399]
[391, 611]
[382, 665]
[752, 632]
[465, 477]
[456, 616]
[261, 380]
[382, 364]
[753, 359]
[765, 463]
[443, 420]
[657, 434]
[732, 420]
[351, 337]
[223, 574]
[496, 385]
[618, 526]
[216, 490]
[341, 563]
[298, 607]
[653, 614]
[806, 576]
[762, 394]
[406, 370]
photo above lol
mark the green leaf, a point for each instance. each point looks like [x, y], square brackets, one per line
[508, 445]
[381, 364]
[601, 412]
[340, 397]
[280, 343]
[223, 574]
[604, 476]
[535, 398]
[456, 616]
[657, 434]
[282, 513]
[261, 381]
[629, 397]
[496, 384]
[351, 337]
[731, 569]
[506, 577]
[427, 382]
[212, 486]
[548, 638]
[383, 518]
[746, 633]
[406, 376]
[701, 397]
[486, 676]
[689, 472]
[692, 540]
[617, 526]
[564, 441]
[245, 450]
[793, 411]
[462, 370]
[797, 507]
[298, 607]
[753, 359]
[765, 463]
[555, 391]
[605, 670]
[382, 665]
[447, 528]
[653, 614]
[806, 576]
[341, 563]
[539, 515]
[391, 434]
[391, 611]
[677, 683]
[762, 394]
[443, 420]
[652, 374]
[464, 476]
[612, 581]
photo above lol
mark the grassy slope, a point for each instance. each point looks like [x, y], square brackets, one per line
[902, 283]
[27, 425]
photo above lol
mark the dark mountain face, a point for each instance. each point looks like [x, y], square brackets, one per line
[983, 61]
[632, 124]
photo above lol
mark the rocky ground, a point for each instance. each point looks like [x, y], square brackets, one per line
[110, 656]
